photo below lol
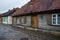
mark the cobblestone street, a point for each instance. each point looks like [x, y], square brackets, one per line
[38, 35]
[7, 33]
[16, 33]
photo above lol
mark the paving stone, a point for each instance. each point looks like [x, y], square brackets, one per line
[8, 33]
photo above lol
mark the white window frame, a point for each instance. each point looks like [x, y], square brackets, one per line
[56, 19]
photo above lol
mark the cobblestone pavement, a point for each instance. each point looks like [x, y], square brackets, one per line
[7, 33]
[38, 35]
[16, 33]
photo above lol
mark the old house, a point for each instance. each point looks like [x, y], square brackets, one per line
[43, 14]
[20, 16]
[6, 17]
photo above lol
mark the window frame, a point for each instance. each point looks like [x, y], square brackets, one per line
[56, 19]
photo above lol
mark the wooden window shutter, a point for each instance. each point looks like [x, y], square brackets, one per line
[49, 19]
[24, 19]
[20, 19]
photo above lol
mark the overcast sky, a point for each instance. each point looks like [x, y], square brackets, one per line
[5, 5]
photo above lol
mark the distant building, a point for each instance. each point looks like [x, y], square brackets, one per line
[6, 17]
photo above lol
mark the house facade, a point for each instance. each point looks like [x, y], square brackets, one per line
[6, 17]
[22, 20]
[42, 14]
[7, 20]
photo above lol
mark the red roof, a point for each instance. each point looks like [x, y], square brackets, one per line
[22, 10]
[37, 6]
[9, 13]
[42, 5]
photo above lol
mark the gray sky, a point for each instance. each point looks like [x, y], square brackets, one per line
[5, 5]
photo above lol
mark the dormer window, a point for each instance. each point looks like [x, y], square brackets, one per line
[30, 5]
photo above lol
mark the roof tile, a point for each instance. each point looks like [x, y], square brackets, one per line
[37, 6]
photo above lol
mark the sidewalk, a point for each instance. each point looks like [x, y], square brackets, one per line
[38, 34]
[52, 31]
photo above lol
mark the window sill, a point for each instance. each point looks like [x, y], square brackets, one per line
[56, 25]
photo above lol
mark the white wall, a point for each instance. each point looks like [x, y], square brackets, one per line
[9, 20]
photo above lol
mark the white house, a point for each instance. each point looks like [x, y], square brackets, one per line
[6, 17]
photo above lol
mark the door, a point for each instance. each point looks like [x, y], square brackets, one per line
[34, 21]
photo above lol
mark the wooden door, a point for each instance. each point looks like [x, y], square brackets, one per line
[34, 21]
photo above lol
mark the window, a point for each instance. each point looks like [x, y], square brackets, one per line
[5, 19]
[22, 20]
[14, 20]
[56, 19]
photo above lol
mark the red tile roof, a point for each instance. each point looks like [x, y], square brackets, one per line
[22, 10]
[42, 5]
[37, 6]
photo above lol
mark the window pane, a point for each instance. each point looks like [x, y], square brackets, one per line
[22, 20]
[14, 20]
[54, 15]
[58, 20]
[58, 15]
[54, 20]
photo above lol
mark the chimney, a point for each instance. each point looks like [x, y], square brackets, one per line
[9, 10]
